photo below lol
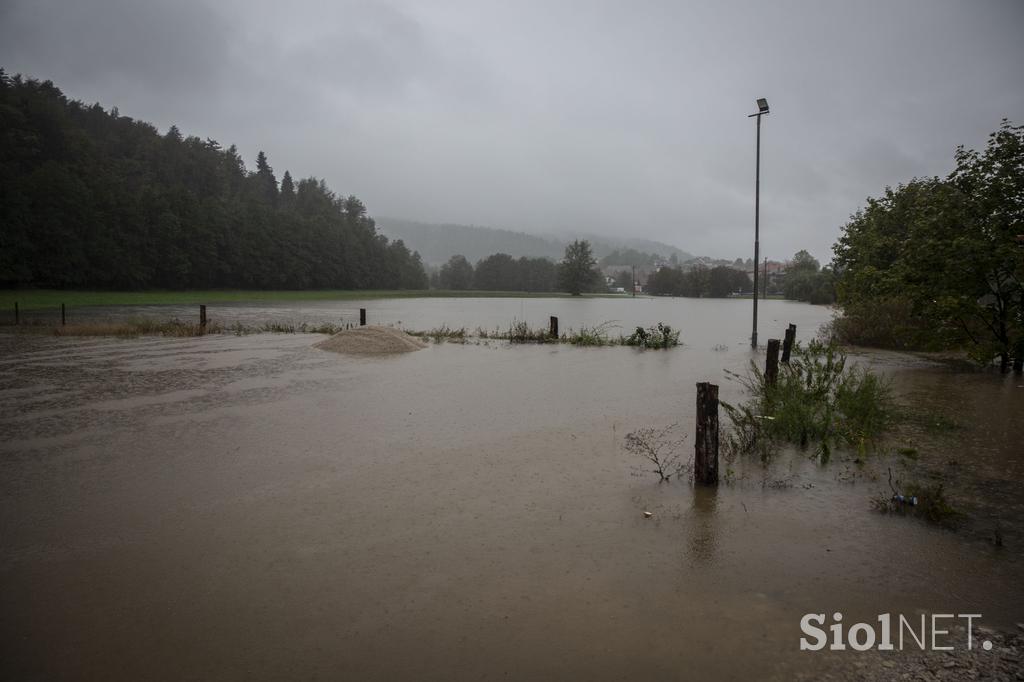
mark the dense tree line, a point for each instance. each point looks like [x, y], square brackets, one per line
[699, 282]
[940, 261]
[806, 280]
[501, 272]
[497, 272]
[90, 198]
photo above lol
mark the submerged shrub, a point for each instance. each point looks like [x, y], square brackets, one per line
[661, 448]
[926, 500]
[660, 336]
[816, 399]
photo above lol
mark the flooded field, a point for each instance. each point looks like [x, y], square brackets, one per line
[251, 507]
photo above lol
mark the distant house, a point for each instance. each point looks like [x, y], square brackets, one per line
[776, 275]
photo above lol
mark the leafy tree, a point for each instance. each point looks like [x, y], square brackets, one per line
[805, 281]
[724, 280]
[457, 273]
[577, 272]
[624, 279]
[497, 272]
[537, 274]
[667, 282]
[945, 251]
[803, 262]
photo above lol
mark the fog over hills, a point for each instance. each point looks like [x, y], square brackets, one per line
[437, 242]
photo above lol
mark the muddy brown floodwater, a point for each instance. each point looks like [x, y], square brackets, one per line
[255, 508]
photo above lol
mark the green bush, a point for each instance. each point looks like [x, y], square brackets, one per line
[816, 399]
[660, 336]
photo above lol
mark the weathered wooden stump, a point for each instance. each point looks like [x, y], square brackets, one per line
[202, 318]
[771, 362]
[63, 315]
[553, 330]
[705, 455]
[787, 343]
[17, 314]
[362, 317]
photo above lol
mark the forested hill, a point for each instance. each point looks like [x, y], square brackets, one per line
[438, 242]
[90, 198]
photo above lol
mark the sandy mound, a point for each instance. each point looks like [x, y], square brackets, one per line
[371, 340]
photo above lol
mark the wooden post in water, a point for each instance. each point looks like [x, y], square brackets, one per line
[787, 343]
[1018, 358]
[202, 318]
[63, 315]
[362, 317]
[553, 331]
[705, 448]
[771, 362]
[17, 314]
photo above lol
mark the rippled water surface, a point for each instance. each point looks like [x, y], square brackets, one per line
[252, 507]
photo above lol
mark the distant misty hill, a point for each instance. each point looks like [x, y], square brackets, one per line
[436, 243]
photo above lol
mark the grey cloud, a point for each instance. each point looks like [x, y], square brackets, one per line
[606, 117]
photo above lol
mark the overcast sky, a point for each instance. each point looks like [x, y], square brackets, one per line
[617, 118]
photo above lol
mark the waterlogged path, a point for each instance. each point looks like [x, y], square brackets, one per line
[253, 508]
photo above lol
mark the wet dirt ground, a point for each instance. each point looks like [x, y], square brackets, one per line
[250, 507]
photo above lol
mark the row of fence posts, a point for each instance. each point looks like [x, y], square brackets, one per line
[705, 455]
[202, 316]
[771, 357]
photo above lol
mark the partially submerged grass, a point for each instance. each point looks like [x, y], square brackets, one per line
[926, 500]
[661, 336]
[817, 399]
[597, 335]
[442, 334]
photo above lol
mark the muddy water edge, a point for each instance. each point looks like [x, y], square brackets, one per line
[252, 507]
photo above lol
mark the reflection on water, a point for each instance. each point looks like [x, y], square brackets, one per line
[702, 527]
[252, 507]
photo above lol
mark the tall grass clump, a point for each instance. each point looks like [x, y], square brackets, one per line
[442, 334]
[597, 335]
[521, 332]
[817, 400]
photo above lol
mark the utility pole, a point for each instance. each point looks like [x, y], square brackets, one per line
[762, 109]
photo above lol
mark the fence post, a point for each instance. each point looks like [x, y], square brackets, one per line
[787, 343]
[63, 315]
[1018, 359]
[202, 318]
[705, 455]
[17, 314]
[771, 362]
[362, 317]
[553, 331]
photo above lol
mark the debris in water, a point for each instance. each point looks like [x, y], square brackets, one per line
[648, 514]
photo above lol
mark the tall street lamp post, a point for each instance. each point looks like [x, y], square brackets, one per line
[762, 109]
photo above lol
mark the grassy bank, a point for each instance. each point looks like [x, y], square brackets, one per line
[35, 299]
